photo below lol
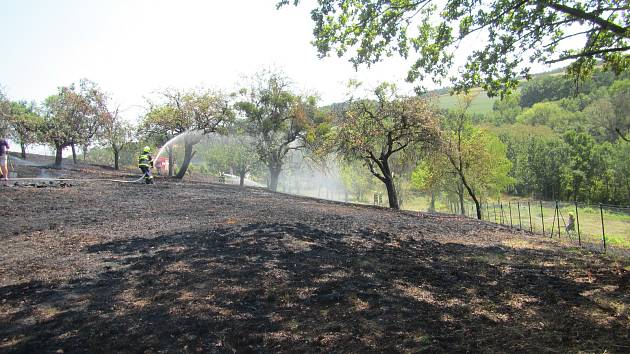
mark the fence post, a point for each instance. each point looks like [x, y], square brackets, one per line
[601, 212]
[529, 210]
[558, 217]
[520, 224]
[510, 206]
[542, 219]
[502, 214]
[577, 221]
[553, 224]
[488, 211]
[495, 213]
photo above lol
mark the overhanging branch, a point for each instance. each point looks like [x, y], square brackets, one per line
[621, 135]
[588, 54]
[593, 18]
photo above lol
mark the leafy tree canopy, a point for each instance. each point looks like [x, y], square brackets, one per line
[5, 109]
[25, 124]
[279, 120]
[73, 116]
[552, 115]
[508, 35]
[201, 111]
[375, 130]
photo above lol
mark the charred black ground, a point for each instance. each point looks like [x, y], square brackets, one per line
[198, 267]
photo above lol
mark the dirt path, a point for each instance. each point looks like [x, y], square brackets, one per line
[193, 267]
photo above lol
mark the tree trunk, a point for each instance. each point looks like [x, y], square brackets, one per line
[471, 193]
[58, 155]
[432, 202]
[74, 153]
[116, 158]
[478, 206]
[274, 173]
[242, 176]
[188, 154]
[460, 194]
[388, 180]
[23, 148]
[391, 193]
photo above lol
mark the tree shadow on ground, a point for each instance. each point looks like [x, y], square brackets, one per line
[268, 287]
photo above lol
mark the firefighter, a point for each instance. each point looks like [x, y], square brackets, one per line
[145, 162]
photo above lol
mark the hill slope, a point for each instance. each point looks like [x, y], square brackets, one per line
[480, 104]
[183, 267]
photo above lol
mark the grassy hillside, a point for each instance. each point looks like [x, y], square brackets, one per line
[481, 103]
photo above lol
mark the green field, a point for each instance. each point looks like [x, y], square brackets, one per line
[480, 104]
[589, 219]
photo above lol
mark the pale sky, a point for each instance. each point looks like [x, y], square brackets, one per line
[132, 48]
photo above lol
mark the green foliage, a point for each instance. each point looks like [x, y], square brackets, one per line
[234, 154]
[73, 116]
[514, 35]
[552, 115]
[128, 157]
[537, 156]
[357, 180]
[545, 88]
[117, 134]
[482, 158]
[25, 124]
[602, 119]
[5, 109]
[567, 167]
[588, 173]
[506, 110]
[434, 173]
[620, 97]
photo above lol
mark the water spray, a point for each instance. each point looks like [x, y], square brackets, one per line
[74, 179]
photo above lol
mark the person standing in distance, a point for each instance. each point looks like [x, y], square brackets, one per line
[145, 162]
[4, 159]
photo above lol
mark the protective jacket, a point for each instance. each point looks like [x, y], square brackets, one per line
[145, 160]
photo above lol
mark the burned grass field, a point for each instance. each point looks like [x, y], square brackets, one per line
[198, 267]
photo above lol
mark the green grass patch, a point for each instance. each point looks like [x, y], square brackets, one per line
[618, 240]
[480, 104]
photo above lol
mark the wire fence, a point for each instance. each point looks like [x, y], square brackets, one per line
[601, 227]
